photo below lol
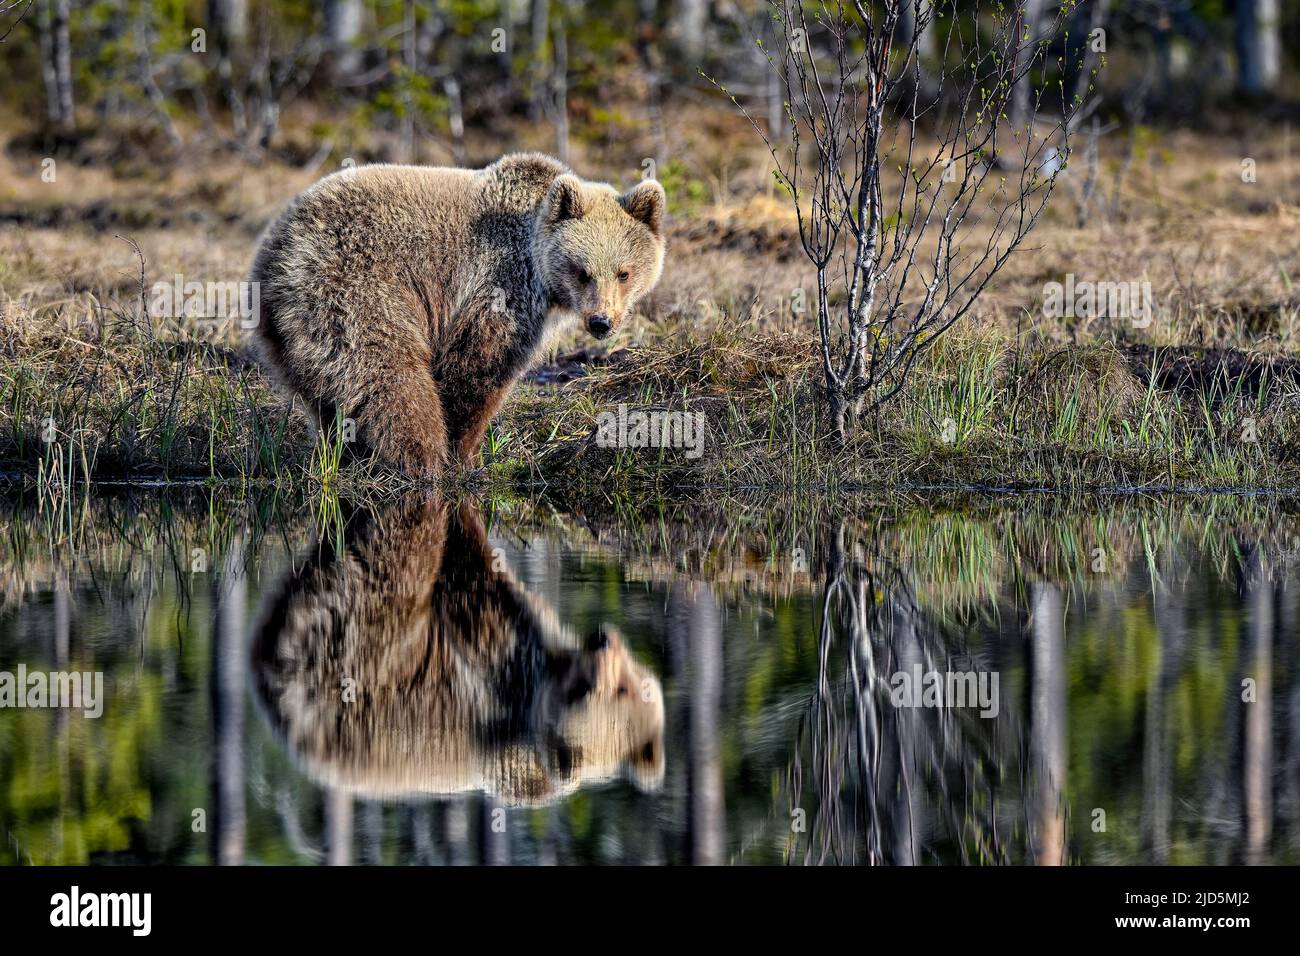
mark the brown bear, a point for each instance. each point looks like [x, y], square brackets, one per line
[409, 299]
[411, 662]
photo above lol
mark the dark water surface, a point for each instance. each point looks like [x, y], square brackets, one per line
[1010, 680]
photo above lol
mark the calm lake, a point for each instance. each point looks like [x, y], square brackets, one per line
[948, 679]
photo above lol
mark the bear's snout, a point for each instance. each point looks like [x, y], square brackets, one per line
[599, 326]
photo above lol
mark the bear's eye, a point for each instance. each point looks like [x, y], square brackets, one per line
[583, 276]
[623, 276]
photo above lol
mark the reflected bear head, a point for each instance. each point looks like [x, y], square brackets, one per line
[604, 715]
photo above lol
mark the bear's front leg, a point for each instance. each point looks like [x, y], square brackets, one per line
[468, 442]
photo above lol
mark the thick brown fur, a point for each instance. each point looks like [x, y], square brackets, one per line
[409, 299]
[412, 662]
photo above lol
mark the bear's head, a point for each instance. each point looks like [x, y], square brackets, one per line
[602, 716]
[597, 251]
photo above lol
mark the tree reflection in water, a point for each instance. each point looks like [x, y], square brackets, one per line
[541, 686]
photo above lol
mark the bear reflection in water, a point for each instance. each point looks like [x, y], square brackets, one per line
[410, 662]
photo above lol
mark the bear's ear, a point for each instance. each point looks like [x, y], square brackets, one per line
[645, 202]
[563, 200]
